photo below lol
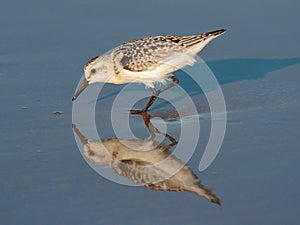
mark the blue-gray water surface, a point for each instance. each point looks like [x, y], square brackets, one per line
[44, 45]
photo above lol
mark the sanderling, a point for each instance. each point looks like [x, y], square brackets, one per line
[146, 60]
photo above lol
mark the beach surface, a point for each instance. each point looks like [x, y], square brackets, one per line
[46, 180]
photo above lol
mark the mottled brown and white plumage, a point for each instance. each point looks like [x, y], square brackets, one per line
[145, 162]
[146, 60]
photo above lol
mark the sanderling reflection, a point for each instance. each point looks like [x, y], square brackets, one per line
[145, 162]
[146, 60]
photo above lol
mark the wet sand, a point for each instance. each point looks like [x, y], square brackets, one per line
[44, 178]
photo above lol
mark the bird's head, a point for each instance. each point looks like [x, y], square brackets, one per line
[97, 69]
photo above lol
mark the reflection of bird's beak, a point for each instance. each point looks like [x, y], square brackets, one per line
[82, 86]
[82, 138]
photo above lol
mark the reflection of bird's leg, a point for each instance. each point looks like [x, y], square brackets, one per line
[148, 124]
[155, 94]
[173, 141]
[152, 129]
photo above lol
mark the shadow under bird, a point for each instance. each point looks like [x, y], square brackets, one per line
[145, 162]
[146, 60]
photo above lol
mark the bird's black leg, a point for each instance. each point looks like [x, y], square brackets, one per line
[155, 95]
[174, 83]
[150, 102]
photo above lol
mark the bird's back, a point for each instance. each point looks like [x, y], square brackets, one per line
[146, 53]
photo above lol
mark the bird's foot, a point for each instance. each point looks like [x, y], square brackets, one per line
[137, 111]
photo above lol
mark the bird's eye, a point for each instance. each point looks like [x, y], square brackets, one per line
[93, 70]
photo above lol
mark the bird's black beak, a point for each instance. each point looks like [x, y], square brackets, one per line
[80, 89]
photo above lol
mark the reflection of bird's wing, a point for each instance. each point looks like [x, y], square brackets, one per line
[185, 180]
[139, 172]
[158, 178]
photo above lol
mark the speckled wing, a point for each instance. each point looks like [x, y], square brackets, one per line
[148, 53]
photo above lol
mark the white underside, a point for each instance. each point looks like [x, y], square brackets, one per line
[161, 73]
